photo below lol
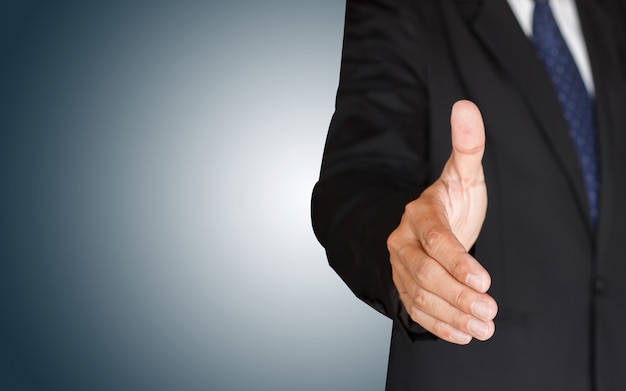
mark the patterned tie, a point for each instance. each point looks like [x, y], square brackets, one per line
[572, 94]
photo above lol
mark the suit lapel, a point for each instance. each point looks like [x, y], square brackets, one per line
[497, 28]
[603, 45]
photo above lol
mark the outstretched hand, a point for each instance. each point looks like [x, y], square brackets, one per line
[443, 287]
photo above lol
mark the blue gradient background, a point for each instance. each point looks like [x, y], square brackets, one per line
[156, 163]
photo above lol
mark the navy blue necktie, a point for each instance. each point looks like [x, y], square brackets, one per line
[577, 106]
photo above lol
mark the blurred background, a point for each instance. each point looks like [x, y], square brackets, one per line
[156, 164]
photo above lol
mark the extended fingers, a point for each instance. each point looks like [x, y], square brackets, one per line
[440, 317]
[432, 277]
[448, 323]
[437, 301]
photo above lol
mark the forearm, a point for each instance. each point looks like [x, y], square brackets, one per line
[375, 160]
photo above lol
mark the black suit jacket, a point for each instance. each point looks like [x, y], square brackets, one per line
[560, 283]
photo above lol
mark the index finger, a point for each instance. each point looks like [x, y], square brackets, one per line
[440, 243]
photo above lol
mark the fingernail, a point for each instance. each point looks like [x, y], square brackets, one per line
[460, 337]
[482, 310]
[476, 282]
[478, 328]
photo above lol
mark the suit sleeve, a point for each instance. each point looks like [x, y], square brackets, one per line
[375, 159]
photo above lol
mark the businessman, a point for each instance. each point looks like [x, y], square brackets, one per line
[492, 233]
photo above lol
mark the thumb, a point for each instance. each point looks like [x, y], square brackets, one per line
[468, 139]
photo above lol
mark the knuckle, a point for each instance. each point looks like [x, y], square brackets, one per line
[424, 271]
[461, 298]
[393, 241]
[432, 237]
[460, 320]
[410, 208]
[460, 267]
[421, 298]
[440, 328]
